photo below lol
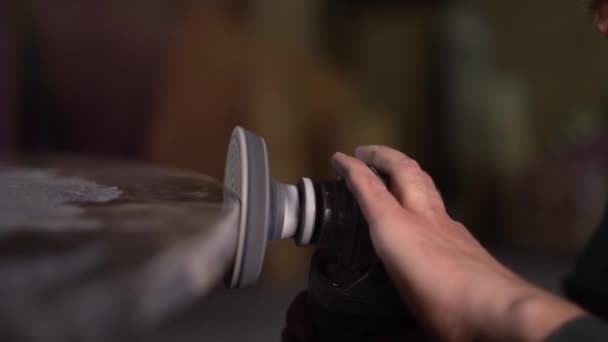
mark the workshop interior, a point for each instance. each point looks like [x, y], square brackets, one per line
[488, 96]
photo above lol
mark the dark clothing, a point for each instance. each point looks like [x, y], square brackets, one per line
[587, 286]
[583, 329]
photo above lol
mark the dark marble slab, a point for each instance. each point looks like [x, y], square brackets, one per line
[96, 250]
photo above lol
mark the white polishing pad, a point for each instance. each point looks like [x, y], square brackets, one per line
[247, 175]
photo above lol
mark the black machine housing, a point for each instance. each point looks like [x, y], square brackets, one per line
[349, 292]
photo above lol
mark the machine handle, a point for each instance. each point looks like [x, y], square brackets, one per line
[366, 304]
[331, 326]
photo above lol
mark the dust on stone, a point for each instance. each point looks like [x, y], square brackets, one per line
[43, 199]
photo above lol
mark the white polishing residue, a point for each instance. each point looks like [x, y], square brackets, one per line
[46, 200]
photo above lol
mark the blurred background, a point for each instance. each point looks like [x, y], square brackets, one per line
[503, 103]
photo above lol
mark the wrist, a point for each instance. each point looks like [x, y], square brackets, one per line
[525, 313]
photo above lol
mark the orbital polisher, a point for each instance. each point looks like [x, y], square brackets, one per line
[350, 295]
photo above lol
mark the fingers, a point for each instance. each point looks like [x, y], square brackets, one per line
[413, 187]
[374, 199]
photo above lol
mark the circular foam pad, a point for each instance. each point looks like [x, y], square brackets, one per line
[248, 176]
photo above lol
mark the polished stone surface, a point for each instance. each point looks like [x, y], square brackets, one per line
[97, 249]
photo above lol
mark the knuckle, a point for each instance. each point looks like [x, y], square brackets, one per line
[354, 171]
[426, 177]
[373, 187]
[414, 164]
[389, 150]
[386, 149]
[408, 164]
[418, 186]
[370, 181]
[373, 155]
[431, 183]
[347, 172]
[350, 175]
[391, 217]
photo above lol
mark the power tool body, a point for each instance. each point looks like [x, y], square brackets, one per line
[350, 296]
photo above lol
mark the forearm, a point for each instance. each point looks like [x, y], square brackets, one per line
[526, 313]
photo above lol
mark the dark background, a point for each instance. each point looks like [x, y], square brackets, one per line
[502, 102]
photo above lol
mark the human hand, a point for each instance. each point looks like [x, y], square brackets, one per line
[449, 281]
